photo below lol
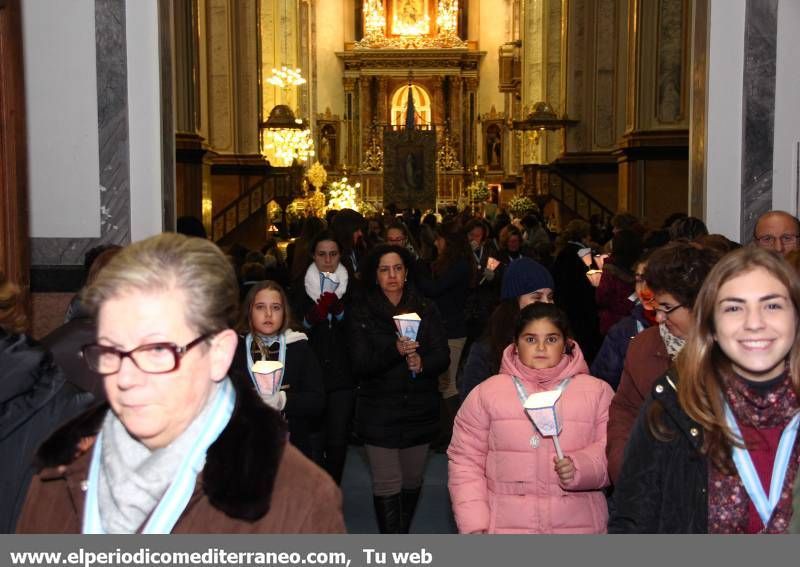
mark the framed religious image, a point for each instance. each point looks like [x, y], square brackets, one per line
[411, 17]
[493, 145]
[328, 141]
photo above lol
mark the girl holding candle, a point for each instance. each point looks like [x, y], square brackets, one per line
[268, 336]
[503, 476]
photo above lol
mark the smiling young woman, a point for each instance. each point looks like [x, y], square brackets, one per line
[714, 439]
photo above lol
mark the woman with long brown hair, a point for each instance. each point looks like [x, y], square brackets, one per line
[715, 451]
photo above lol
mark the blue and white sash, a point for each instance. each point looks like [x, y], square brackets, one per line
[172, 504]
[747, 471]
[248, 349]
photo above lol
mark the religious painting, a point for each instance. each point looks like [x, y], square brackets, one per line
[409, 169]
[411, 17]
[409, 174]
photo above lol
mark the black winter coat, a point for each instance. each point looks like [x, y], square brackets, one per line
[394, 410]
[576, 296]
[302, 381]
[449, 290]
[34, 401]
[663, 486]
[328, 339]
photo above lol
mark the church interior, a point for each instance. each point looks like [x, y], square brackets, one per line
[248, 115]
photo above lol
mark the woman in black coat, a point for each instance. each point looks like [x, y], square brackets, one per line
[323, 313]
[397, 406]
[302, 395]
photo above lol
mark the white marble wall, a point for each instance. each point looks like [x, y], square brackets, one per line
[785, 182]
[724, 116]
[96, 164]
[59, 54]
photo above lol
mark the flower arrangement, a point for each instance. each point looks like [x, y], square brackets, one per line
[296, 210]
[317, 175]
[478, 191]
[366, 208]
[521, 205]
[342, 195]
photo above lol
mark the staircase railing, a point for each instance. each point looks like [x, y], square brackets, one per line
[276, 184]
[550, 180]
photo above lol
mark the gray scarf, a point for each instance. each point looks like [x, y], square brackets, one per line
[673, 343]
[132, 478]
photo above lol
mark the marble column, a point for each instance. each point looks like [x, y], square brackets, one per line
[112, 132]
[758, 110]
[746, 139]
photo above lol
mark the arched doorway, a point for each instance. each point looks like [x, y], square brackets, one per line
[422, 106]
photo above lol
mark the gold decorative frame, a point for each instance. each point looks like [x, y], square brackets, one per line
[422, 7]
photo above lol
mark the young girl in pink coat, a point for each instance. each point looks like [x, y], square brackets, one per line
[504, 477]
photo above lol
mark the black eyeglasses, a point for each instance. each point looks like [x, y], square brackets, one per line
[668, 310]
[153, 358]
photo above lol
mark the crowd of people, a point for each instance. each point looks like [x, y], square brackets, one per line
[610, 378]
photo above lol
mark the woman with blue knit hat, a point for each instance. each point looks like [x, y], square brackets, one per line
[525, 281]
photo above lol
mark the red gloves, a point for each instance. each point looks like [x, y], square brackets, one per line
[320, 311]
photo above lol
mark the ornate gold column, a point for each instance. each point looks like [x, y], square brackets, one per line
[470, 120]
[350, 134]
[192, 183]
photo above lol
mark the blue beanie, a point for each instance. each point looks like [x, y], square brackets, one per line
[525, 276]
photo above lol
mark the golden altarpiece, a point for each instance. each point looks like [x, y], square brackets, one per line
[411, 50]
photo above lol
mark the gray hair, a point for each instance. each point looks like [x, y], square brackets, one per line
[168, 261]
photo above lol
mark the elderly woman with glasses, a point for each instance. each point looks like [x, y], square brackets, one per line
[674, 274]
[180, 447]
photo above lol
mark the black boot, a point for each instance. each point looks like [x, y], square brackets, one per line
[389, 512]
[410, 499]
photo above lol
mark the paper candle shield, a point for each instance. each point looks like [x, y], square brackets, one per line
[541, 408]
[268, 375]
[594, 277]
[328, 282]
[407, 325]
[492, 263]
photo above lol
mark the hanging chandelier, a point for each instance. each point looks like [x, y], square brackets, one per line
[285, 138]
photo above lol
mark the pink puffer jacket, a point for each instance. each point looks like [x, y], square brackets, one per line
[499, 483]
